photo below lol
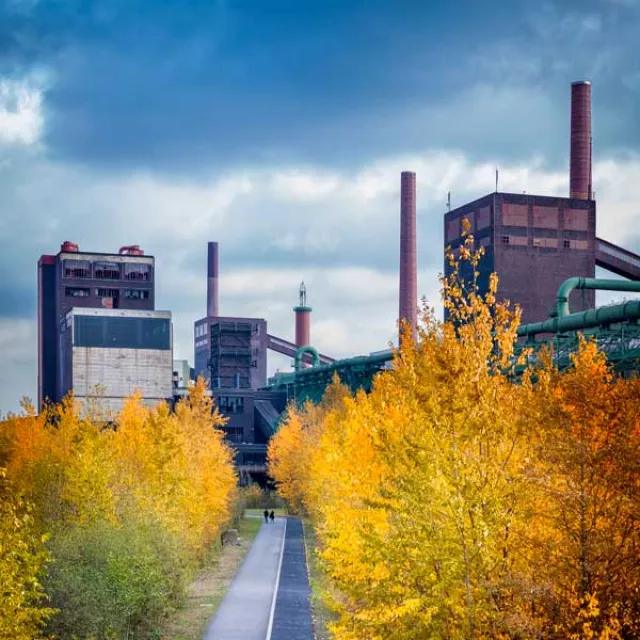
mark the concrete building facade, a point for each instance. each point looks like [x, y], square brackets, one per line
[108, 354]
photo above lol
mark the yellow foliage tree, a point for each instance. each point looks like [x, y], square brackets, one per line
[420, 482]
[456, 503]
[290, 449]
[585, 535]
[164, 479]
[22, 559]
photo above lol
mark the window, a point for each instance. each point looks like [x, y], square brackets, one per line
[546, 243]
[122, 333]
[234, 434]
[136, 294]
[230, 404]
[77, 292]
[108, 293]
[106, 270]
[134, 271]
[566, 244]
[505, 239]
[76, 268]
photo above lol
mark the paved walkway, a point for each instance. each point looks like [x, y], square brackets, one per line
[292, 619]
[245, 612]
[252, 610]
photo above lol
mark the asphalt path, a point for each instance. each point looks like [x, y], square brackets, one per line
[269, 597]
[245, 612]
[292, 616]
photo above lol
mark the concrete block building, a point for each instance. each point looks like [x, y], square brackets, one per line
[109, 354]
[85, 279]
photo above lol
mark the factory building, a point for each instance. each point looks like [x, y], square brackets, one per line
[81, 279]
[108, 354]
[183, 374]
[533, 243]
[230, 352]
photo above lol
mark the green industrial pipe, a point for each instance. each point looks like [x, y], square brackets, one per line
[315, 357]
[627, 312]
[565, 289]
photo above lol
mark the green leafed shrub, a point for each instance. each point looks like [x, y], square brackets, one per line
[114, 582]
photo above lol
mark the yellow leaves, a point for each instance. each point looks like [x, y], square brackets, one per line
[151, 467]
[22, 559]
[452, 503]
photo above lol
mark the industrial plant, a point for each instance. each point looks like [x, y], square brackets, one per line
[98, 324]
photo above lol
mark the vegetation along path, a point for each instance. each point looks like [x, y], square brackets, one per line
[269, 598]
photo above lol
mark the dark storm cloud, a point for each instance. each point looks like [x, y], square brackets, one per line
[186, 86]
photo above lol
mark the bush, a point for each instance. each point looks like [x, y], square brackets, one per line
[112, 582]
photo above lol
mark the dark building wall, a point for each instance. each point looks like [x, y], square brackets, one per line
[120, 288]
[231, 352]
[239, 408]
[47, 328]
[202, 349]
[89, 282]
[533, 243]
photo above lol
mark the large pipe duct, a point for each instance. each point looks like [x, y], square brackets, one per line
[408, 307]
[627, 312]
[565, 289]
[580, 185]
[567, 321]
[213, 309]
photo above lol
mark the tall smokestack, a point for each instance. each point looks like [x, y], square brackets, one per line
[408, 254]
[303, 319]
[213, 309]
[581, 141]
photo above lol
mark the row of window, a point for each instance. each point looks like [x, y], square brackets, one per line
[201, 330]
[122, 333]
[85, 292]
[230, 404]
[234, 434]
[549, 243]
[104, 270]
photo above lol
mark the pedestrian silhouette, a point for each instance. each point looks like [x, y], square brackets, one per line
[266, 516]
[272, 516]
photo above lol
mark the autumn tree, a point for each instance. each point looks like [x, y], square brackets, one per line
[131, 505]
[585, 534]
[291, 448]
[22, 561]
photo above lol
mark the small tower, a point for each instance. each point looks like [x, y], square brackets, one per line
[303, 319]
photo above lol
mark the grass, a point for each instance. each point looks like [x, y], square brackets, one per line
[206, 593]
[318, 582]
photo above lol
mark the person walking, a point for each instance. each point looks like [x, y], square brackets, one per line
[266, 516]
[272, 516]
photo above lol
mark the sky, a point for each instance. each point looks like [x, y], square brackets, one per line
[279, 129]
